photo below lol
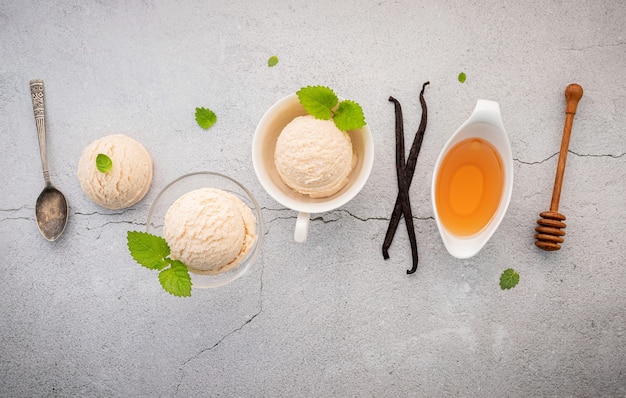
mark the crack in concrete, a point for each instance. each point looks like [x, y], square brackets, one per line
[17, 218]
[618, 44]
[101, 227]
[199, 353]
[120, 222]
[72, 214]
[582, 155]
[17, 209]
[331, 220]
[226, 336]
[591, 155]
[100, 214]
[538, 162]
[282, 218]
[323, 218]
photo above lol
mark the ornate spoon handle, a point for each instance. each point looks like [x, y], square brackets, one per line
[36, 91]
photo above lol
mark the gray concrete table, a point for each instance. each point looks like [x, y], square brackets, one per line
[328, 317]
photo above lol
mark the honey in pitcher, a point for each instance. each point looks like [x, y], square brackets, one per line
[469, 186]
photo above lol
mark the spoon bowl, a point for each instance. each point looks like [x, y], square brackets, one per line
[51, 209]
[51, 213]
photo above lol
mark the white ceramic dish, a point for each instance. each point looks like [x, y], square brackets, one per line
[190, 182]
[486, 123]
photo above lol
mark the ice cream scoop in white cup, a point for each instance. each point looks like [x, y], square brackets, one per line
[264, 145]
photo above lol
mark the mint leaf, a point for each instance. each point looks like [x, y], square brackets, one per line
[272, 61]
[462, 77]
[318, 101]
[205, 117]
[176, 280]
[509, 279]
[103, 163]
[151, 251]
[148, 250]
[349, 116]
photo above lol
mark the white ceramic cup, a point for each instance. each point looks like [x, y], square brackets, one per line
[264, 144]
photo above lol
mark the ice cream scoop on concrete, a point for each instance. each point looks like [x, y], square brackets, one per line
[129, 178]
[313, 157]
[209, 230]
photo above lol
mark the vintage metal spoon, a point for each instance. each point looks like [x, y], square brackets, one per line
[51, 210]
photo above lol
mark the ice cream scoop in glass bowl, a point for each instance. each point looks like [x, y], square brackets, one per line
[212, 223]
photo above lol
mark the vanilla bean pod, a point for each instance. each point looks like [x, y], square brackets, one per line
[403, 186]
[405, 174]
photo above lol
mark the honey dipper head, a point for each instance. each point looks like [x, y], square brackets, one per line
[573, 94]
[550, 230]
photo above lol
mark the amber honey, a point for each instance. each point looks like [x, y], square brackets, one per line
[469, 186]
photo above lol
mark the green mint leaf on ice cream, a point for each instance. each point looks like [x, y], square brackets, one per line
[152, 252]
[103, 163]
[318, 101]
[349, 116]
[272, 61]
[509, 279]
[322, 103]
[205, 117]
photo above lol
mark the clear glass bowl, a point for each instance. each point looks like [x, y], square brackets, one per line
[206, 179]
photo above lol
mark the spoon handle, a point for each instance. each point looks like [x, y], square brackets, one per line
[36, 90]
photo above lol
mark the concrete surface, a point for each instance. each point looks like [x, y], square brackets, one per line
[329, 317]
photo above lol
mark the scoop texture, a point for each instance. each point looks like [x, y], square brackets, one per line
[209, 230]
[129, 179]
[313, 157]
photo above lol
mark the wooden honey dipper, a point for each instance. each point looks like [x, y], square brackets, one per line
[550, 230]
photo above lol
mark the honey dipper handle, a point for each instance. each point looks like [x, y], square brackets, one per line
[573, 94]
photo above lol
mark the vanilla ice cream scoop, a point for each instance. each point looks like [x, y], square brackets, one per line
[129, 178]
[314, 157]
[209, 230]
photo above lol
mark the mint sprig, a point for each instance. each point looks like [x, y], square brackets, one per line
[509, 279]
[322, 103]
[103, 163]
[152, 252]
[205, 117]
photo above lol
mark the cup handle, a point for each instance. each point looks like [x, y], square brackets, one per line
[302, 227]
